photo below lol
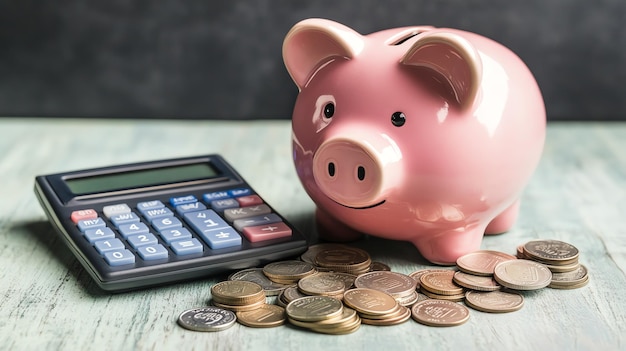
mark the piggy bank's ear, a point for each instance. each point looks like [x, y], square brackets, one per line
[314, 42]
[452, 60]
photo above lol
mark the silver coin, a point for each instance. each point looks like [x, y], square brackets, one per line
[256, 275]
[207, 319]
[522, 274]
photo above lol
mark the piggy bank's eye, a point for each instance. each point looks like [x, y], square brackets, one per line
[398, 119]
[329, 110]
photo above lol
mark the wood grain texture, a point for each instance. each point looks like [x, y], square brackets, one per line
[47, 301]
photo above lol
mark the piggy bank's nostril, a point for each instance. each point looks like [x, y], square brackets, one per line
[331, 169]
[360, 173]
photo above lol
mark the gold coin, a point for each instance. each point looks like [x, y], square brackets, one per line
[344, 259]
[454, 298]
[309, 255]
[475, 282]
[265, 316]
[439, 313]
[322, 283]
[393, 283]
[419, 273]
[236, 292]
[370, 301]
[379, 266]
[314, 308]
[522, 275]
[494, 301]
[288, 271]
[482, 262]
[403, 315]
[237, 308]
[553, 252]
[441, 283]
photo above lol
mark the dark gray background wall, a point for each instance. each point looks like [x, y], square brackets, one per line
[222, 59]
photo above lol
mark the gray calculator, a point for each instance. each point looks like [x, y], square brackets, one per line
[146, 224]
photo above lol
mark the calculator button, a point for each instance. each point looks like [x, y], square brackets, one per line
[221, 205]
[132, 229]
[186, 247]
[240, 192]
[80, 215]
[249, 200]
[152, 252]
[218, 195]
[85, 224]
[181, 200]
[142, 239]
[149, 205]
[205, 221]
[107, 245]
[267, 232]
[150, 215]
[170, 235]
[161, 224]
[239, 224]
[124, 218]
[219, 239]
[95, 234]
[112, 210]
[119, 257]
[232, 214]
[196, 206]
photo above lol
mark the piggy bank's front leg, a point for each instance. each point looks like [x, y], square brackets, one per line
[445, 247]
[331, 229]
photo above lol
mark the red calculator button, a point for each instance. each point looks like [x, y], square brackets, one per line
[83, 214]
[249, 200]
[267, 232]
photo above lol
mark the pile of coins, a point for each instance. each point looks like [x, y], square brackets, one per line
[334, 288]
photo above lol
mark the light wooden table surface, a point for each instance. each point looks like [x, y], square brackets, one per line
[48, 302]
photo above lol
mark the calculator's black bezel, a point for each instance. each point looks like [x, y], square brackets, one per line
[58, 202]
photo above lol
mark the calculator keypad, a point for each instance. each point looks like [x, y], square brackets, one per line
[185, 227]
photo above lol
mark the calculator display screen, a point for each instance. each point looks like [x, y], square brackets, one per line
[140, 178]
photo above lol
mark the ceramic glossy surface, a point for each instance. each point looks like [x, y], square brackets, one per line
[422, 134]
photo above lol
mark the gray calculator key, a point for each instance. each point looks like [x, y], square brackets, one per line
[108, 245]
[119, 257]
[112, 210]
[221, 205]
[239, 224]
[95, 234]
[232, 214]
[142, 239]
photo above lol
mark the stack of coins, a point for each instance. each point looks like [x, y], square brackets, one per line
[324, 284]
[440, 285]
[288, 272]
[343, 259]
[266, 316]
[400, 286]
[376, 307]
[322, 314]
[560, 258]
[288, 295]
[256, 275]
[235, 295]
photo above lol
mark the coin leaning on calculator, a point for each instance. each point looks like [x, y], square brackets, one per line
[335, 288]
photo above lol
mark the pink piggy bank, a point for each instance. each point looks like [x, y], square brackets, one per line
[421, 134]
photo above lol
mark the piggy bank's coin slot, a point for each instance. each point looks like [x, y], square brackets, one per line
[405, 37]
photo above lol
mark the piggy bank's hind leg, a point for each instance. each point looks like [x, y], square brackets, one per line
[445, 247]
[504, 221]
[331, 229]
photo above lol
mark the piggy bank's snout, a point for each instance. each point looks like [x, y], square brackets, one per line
[351, 173]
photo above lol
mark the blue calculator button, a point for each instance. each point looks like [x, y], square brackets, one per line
[181, 200]
[187, 247]
[218, 195]
[256, 220]
[142, 239]
[196, 206]
[95, 234]
[119, 257]
[149, 205]
[163, 223]
[152, 252]
[221, 205]
[132, 229]
[108, 245]
[240, 192]
[124, 218]
[170, 235]
[205, 221]
[150, 215]
[219, 239]
[90, 223]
